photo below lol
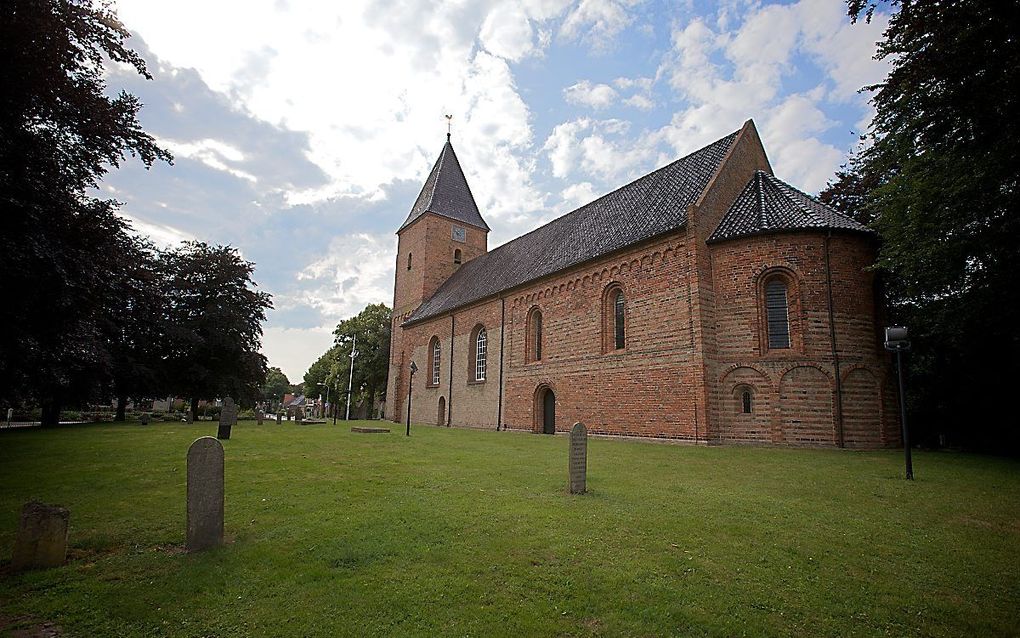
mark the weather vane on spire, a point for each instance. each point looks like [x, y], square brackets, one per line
[449, 126]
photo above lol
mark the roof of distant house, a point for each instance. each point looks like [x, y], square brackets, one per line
[647, 207]
[768, 204]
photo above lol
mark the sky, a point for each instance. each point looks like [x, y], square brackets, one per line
[303, 131]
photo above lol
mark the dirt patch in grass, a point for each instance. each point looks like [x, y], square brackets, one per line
[28, 628]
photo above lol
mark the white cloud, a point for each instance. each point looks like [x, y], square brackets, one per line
[356, 271]
[162, 235]
[639, 101]
[596, 96]
[507, 32]
[597, 22]
[294, 349]
[601, 149]
[212, 153]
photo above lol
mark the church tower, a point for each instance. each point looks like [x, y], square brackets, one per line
[443, 231]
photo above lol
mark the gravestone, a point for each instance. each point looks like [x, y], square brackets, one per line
[189, 417]
[578, 458]
[42, 537]
[279, 418]
[145, 418]
[299, 416]
[228, 418]
[260, 416]
[205, 494]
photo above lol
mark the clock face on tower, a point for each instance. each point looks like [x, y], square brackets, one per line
[459, 234]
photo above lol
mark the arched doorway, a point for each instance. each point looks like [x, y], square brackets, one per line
[548, 412]
[441, 419]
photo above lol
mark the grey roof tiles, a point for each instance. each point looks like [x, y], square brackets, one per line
[647, 207]
[446, 193]
[768, 205]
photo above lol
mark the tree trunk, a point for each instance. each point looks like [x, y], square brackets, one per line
[121, 409]
[194, 409]
[50, 412]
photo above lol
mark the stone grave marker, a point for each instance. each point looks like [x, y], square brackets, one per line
[260, 416]
[189, 417]
[279, 418]
[42, 537]
[299, 416]
[205, 494]
[145, 418]
[578, 458]
[228, 418]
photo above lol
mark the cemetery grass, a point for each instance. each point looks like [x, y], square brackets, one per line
[472, 533]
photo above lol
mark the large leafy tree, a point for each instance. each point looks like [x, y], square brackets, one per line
[277, 384]
[214, 329]
[937, 178]
[372, 327]
[62, 251]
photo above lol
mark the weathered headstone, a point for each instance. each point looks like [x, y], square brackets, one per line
[279, 418]
[578, 458]
[260, 416]
[228, 418]
[189, 416]
[205, 494]
[42, 537]
[145, 418]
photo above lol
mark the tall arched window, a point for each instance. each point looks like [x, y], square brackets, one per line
[618, 314]
[481, 346]
[409, 261]
[435, 356]
[777, 314]
[745, 401]
[614, 318]
[457, 256]
[534, 340]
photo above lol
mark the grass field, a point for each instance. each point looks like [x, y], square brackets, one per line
[470, 533]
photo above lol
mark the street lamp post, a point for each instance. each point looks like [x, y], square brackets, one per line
[350, 379]
[410, 384]
[896, 341]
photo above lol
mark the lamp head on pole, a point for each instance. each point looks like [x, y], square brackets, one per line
[896, 338]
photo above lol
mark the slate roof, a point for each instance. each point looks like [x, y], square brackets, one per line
[647, 207]
[446, 192]
[768, 205]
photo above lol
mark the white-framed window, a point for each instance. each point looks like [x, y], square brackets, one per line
[437, 353]
[481, 346]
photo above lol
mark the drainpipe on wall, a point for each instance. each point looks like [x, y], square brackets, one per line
[449, 393]
[502, 334]
[832, 340]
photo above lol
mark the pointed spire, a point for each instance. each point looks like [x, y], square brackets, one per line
[446, 193]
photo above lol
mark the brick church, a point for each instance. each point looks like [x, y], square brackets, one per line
[706, 301]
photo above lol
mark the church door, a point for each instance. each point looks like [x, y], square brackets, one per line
[441, 419]
[549, 412]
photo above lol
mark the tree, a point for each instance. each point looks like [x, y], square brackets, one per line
[938, 178]
[214, 329]
[372, 326]
[277, 384]
[315, 379]
[61, 251]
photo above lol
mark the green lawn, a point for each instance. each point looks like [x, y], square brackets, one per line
[470, 533]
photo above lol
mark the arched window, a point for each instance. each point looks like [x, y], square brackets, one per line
[457, 256]
[409, 261]
[618, 313]
[481, 346]
[534, 340]
[777, 314]
[614, 318]
[435, 356]
[745, 401]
